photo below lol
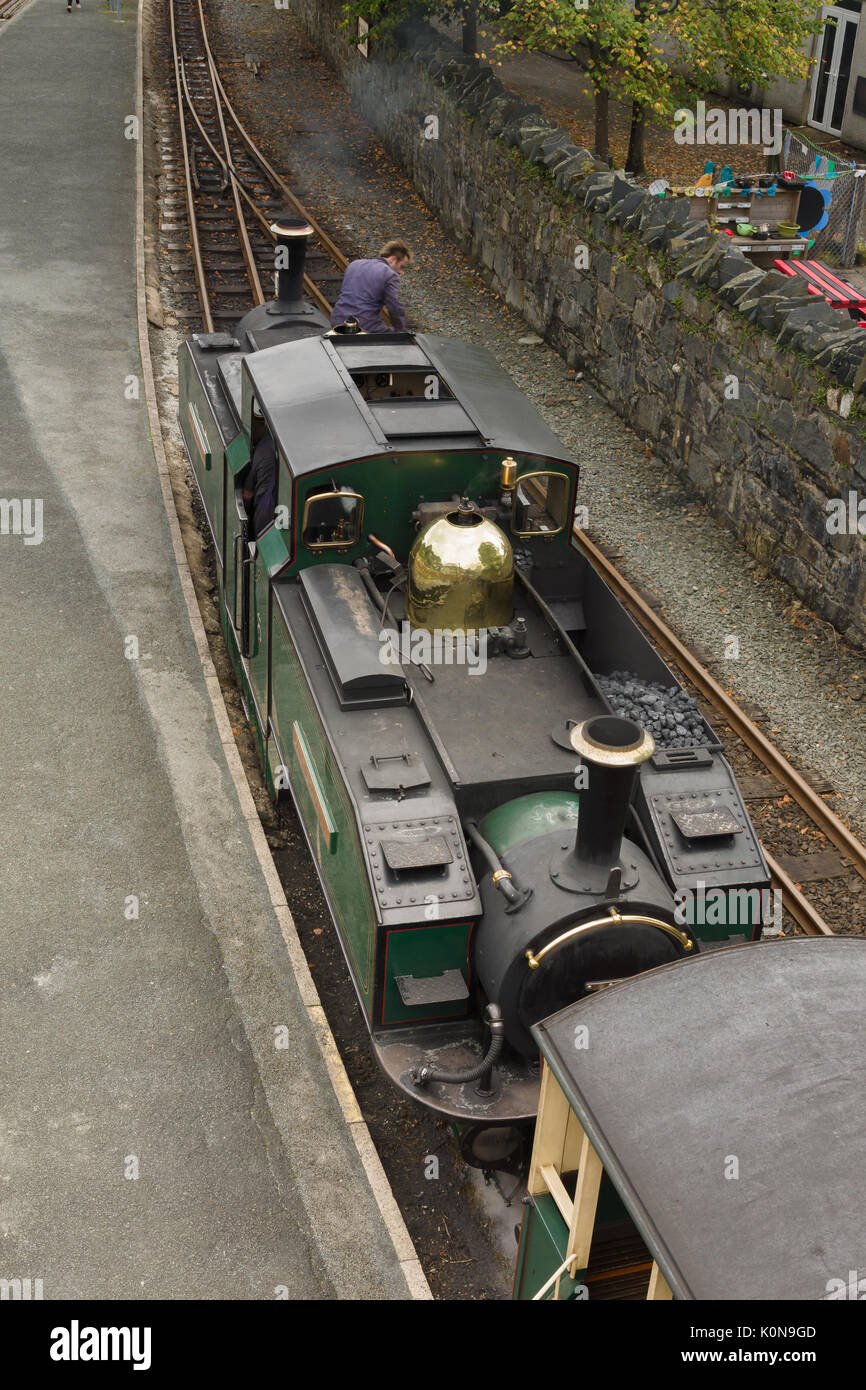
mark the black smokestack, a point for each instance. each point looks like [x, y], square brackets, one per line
[613, 748]
[290, 253]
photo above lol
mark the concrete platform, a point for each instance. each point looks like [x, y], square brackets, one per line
[154, 1143]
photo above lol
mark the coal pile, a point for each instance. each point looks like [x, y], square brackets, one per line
[670, 715]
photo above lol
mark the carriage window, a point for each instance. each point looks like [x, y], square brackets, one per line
[332, 519]
[540, 506]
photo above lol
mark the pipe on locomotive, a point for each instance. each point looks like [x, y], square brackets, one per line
[422, 1076]
[292, 235]
[500, 876]
[614, 749]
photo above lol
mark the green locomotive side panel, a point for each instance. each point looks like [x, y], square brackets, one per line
[272, 548]
[327, 812]
[230, 638]
[392, 486]
[260, 598]
[205, 450]
[423, 952]
[240, 670]
[716, 913]
[237, 457]
[233, 560]
[544, 1240]
[238, 454]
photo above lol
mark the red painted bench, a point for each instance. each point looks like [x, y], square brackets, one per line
[824, 282]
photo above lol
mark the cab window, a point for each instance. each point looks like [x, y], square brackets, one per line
[540, 506]
[332, 519]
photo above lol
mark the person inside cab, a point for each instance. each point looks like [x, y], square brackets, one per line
[260, 486]
[369, 286]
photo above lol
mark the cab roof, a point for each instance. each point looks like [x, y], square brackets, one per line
[320, 419]
[755, 1054]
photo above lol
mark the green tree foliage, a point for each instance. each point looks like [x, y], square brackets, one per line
[383, 16]
[662, 54]
[658, 55]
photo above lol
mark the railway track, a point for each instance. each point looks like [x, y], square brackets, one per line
[230, 190]
[231, 193]
[783, 776]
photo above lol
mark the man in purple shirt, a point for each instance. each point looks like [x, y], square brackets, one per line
[370, 286]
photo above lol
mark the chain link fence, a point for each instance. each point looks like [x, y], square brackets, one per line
[837, 240]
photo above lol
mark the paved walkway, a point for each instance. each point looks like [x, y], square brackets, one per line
[153, 1141]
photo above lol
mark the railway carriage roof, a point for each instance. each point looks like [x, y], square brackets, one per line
[755, 1054]
[320, 419]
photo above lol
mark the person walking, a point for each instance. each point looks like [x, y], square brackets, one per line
[77, 6]
[369, 286]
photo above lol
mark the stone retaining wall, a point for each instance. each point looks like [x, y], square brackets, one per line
[750, 388]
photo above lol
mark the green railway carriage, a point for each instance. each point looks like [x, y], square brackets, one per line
[700, 1133]
[419, 644]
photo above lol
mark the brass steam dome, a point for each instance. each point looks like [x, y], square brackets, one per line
[461, 574]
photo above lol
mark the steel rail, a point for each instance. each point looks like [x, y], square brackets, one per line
[270, 172]
[227, 167]
[325, 241]
[804, 914]
[230, 171]
[231, 174]
[225, 164]
[11, 8]
[334, 252]
[198, 265]
[775, 761]
[246, 246]
[330, 246]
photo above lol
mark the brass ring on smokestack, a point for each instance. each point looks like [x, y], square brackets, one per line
[291, 226]
[612, 741]
[639, 918]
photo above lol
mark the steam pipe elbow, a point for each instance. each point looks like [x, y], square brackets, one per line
[422, 1076]
[500, 876]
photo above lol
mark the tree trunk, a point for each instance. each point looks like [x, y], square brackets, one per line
[634, 159]
[602, 125]
[596, 68]
[470, 28]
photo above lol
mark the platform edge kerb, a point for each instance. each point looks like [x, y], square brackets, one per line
[410, 1265]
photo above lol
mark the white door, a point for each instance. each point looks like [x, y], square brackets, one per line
[833, 69]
